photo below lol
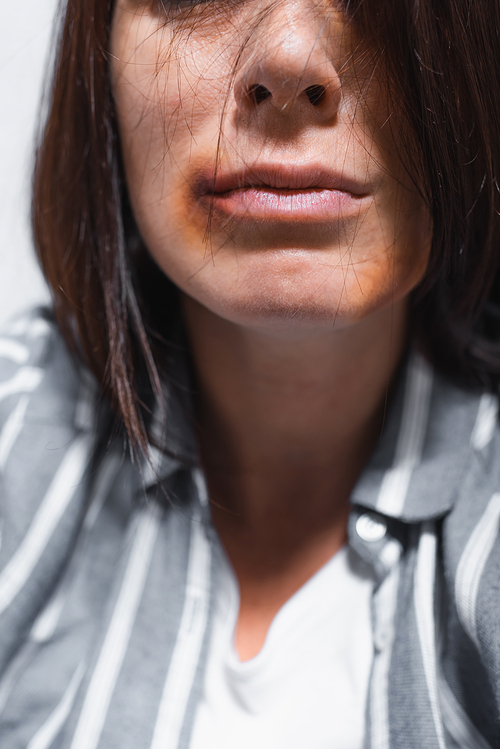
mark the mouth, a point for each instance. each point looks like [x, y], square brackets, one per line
[290, 193]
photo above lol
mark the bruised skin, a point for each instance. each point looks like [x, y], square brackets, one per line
[179, 118]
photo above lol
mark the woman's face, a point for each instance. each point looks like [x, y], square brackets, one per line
[261, 160]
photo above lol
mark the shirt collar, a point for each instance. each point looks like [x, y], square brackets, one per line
[415, 472]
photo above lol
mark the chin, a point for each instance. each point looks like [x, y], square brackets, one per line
[292, 290]
[292, 311]
[285, 314]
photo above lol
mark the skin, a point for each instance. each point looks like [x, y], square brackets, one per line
[297, 321]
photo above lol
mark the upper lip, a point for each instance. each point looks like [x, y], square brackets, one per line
[283, 177]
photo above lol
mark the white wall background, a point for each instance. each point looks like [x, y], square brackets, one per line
[25, 36]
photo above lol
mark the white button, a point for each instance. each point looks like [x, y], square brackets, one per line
[370, 528]
[381, 639]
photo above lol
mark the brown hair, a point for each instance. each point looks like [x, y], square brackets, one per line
[442, 56]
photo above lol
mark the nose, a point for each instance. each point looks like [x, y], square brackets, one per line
[289, 66]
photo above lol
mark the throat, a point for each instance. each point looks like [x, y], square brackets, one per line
[275, 547]
[280, 508]
[276, 577]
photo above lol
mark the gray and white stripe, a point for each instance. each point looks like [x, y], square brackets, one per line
[396, 481]
[104, 677]
[472, 564]
[185, 657]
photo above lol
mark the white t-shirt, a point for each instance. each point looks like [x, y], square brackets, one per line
[307, 687]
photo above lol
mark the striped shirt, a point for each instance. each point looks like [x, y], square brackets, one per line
[108, 568]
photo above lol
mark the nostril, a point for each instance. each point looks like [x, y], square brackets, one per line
[258, 93]
[315, 94]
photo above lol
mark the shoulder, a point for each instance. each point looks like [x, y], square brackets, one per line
[36, 370]
[42, 391]
[46, 440]
[46, 402]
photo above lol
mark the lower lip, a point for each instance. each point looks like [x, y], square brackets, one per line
[289, 205]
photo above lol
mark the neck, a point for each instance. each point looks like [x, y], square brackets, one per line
[280, 415]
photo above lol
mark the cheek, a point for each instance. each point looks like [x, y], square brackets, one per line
[166, 92]
[172, 77]
[404, 244]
